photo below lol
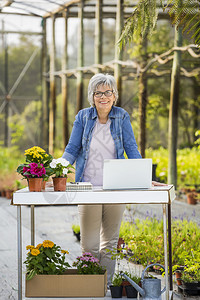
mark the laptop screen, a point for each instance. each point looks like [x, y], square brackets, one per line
[127, 173]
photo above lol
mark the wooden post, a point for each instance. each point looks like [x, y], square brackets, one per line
[98, 35]
[173, 110]
[80, 58]
[45, 104]
[118, 51]
[7, 98]
[52, 105]
[64, 86]
[143, 99]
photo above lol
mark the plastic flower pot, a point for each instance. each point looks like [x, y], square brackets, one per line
[35, 184]
[116, 291]
[131, 292]
[59, 184]
[124, 284]
[191, 198]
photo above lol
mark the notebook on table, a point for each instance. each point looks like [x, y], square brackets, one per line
[127, 174]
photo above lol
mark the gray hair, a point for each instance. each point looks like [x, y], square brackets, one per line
[101, 79]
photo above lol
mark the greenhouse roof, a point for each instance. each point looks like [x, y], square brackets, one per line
[47, 8]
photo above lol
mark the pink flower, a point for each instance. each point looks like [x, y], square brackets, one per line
[35, 170]
[87, 253]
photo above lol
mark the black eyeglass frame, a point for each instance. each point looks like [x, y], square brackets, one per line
[103, 93]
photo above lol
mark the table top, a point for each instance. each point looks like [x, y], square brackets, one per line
[154, 195]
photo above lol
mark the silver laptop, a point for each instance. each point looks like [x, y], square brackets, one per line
[127, 174]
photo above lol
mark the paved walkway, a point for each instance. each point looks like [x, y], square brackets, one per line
[54, 223]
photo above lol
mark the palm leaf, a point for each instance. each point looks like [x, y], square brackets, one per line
[141, 23]
[186, 13]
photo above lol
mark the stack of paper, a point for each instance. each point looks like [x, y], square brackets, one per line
[78, 186]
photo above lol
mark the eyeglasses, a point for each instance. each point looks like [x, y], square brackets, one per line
[107, 93]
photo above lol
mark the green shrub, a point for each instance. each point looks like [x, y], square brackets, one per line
[145, 240]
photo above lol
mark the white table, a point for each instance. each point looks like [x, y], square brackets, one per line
[163, 195]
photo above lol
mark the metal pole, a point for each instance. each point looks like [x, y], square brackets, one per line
[19, 244]
[165, 251]
[32, 225]
[170, 247]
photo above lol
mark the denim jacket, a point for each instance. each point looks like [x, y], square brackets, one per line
[78, 146]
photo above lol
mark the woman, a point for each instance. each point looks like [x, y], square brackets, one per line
[100, 132]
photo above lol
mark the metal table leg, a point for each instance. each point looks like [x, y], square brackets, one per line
[170, 252]
[165, 250]
[19, 243]
[33, 225]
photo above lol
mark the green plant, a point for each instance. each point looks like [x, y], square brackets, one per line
[191, 272]
[76, 228]
[135, 278]
[37, 163]
[60, 167]
[117, 280]
[45, 258]
[88, 264]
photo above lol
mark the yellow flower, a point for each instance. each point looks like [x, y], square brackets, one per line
[35, 252]
[39, 246]
[65, 251]
[29, 247]
[48, 244]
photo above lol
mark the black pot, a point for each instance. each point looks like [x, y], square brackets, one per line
[131, 292]
[116, 291]
[191, 285]
[77, 235]
[191, 288]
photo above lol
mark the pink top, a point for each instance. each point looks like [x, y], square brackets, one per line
[102, 147]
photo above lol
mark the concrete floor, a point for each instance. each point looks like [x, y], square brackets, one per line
[54, 223]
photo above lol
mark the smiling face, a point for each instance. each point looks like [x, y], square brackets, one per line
[104, 103]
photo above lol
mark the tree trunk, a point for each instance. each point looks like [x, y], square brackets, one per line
[80, 58]
[173, 111]
[118, 51]
[142, 112]
[143, 102]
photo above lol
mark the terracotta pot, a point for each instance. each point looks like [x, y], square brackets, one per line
[9, 194]
[120, 243]
[59, 184]
[43, 185]
[191, 198]
[124, 284]
[178, 277]
[35, 184]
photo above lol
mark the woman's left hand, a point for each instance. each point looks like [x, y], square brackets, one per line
[156, 183]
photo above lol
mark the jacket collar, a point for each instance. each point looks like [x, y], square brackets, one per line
[111, 113]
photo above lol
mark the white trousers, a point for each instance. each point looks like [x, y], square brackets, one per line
[99, 227]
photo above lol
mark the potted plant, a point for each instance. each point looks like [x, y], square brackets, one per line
[116, 287]
[60, 168]
[190, 275]
[131, 292]
[88, 264]
[54, 278]
[192, 198]
[76, 231]
[45, 258]
[36, 169]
